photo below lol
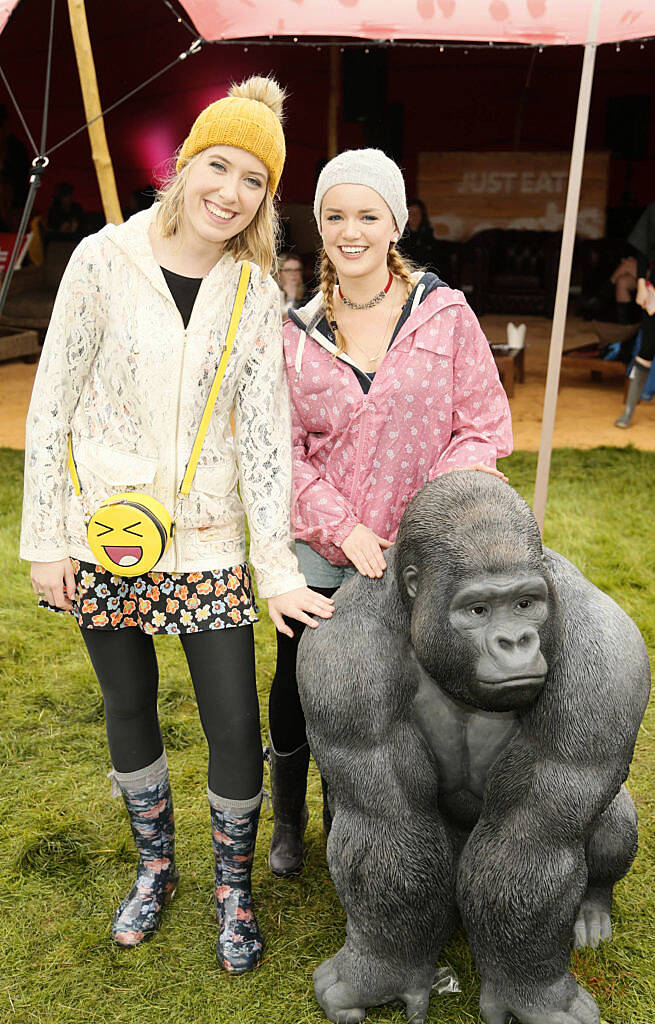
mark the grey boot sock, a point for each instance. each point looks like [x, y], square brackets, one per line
[638, 378]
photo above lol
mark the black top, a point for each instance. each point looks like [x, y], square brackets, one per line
[184, 291]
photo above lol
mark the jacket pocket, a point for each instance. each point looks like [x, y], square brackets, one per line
[114, 467]
[218, 481]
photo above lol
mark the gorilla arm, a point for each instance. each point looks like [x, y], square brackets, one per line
[389, 853]
[523, 873]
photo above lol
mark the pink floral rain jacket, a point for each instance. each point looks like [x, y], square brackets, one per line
[435, 404]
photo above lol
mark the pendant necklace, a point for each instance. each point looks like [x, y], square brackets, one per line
[374, 358]
[372, 302]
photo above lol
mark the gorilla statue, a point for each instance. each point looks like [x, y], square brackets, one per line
[474, 713]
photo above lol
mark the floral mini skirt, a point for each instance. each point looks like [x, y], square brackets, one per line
[162, 602]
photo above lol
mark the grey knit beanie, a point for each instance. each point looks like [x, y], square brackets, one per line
[365, 167]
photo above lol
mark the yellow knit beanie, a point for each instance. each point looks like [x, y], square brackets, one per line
[249, 117]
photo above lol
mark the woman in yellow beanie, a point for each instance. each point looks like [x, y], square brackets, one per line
[134, 346]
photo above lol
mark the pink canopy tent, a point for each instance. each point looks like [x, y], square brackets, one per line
[544, 22]
[531, 22]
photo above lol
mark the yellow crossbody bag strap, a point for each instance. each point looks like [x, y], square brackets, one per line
[237, 309]
[72, 468]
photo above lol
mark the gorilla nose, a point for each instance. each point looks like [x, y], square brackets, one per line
[515, 647]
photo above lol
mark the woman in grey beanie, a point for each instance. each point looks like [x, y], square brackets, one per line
[392, 382]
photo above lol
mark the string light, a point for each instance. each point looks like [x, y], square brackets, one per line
[412, 44]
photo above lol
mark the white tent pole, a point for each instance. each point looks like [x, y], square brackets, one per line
[564, 274]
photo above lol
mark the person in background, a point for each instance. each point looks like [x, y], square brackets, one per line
[642, 239]
[289, 278]
[419, 244]
[136, 336]
[392, 383]
[65, 216]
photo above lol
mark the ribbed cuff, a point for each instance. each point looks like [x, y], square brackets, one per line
[152, 775]
[224, 803]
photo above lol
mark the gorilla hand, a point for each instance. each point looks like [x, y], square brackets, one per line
[563, 1002]
[345, 1002]
[594, 924]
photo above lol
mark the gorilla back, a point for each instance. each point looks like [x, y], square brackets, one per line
[474, 713]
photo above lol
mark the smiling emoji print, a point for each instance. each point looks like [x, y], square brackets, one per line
[128, 533]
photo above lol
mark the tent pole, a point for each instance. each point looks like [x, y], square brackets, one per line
[334, 100]
[564, 274]
[93, 111]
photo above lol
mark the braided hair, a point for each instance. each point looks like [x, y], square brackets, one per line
[398, 266]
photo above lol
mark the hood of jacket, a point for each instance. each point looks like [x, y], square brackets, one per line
[310, 318]
[131, 238]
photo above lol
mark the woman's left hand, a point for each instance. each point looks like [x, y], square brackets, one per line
[296, 604]
[489, 469]
[482, 468]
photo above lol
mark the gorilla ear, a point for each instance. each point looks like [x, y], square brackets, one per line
[410, 578]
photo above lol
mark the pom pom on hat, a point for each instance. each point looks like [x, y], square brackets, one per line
[369, 167]
[250, 118]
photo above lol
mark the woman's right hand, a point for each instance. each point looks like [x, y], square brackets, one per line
[364, 549]
[641, 298]
[55, 582]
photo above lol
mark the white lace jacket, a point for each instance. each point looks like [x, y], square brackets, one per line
[123, 376]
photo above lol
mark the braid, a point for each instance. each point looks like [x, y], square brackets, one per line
[328, 282]
[400, 267]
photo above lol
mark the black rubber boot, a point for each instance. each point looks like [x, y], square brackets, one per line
[638, 378]
[288, 790]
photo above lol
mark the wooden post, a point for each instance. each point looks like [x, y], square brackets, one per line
[93, 111]
[564, 275]
[334, 100]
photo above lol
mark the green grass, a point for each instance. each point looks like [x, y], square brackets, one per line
[66, 856]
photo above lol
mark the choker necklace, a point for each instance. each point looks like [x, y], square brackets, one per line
[372, 302]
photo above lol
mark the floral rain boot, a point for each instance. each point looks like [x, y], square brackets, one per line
[149, 803]
[234, 833]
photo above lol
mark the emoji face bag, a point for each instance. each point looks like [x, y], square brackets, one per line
[128, 533]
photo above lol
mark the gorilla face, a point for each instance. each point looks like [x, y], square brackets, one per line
[489, 647]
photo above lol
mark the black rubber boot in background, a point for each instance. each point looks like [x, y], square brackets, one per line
[288, 790]
[638, 378]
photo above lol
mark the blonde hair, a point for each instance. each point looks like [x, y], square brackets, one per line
[398, 266]
[257, 241]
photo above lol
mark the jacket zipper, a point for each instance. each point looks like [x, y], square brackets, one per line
[177, 430]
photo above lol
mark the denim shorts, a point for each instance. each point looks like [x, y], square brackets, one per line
[318, 571]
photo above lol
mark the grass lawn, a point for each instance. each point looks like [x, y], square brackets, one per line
[66, 854]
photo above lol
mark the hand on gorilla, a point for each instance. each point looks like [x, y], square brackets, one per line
[364, 549]
[565, 1002]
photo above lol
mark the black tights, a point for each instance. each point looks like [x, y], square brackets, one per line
[285, 715]
[647, 347]
[222, 667]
